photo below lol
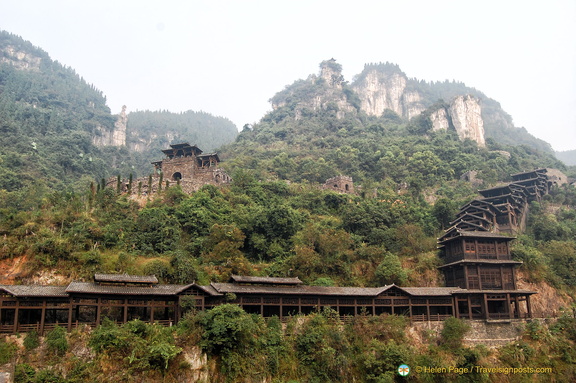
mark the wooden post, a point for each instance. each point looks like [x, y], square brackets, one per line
[479, 277]
[125, 307]
[509, 303]
[16, 312]
[42, 317]
[456, 307]
[70, 315]
[485, 303]
[98, 311]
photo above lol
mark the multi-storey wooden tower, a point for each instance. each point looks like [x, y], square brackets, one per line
[479, 262]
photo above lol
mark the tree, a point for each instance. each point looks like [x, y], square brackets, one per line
[390, 271]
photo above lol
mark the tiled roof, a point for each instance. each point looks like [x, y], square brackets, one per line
[125, 278]
[266, 280]
[35, 291]
[93, 288]
[472, 234]
[331, 291]
[298, 290]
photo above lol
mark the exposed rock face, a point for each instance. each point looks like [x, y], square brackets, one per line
[20, 60]
[380, 87]
[119, 133]
[114, 137]
[439, 120]
[379, 90]
[466, 116]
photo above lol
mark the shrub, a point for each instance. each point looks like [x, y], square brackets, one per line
[7, 351]
[56, 341]
[140, 344]
[226, 328]
[390, 271]
[31, 341]
[453, 333]
[24, 373]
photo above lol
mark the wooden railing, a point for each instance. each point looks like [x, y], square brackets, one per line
[432, 317]
[28, 327]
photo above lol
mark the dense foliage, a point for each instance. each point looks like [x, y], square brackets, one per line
[320, 347]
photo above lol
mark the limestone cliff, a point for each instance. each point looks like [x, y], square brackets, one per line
[115, 136]
[380, 87]
[464, 114]
[384, 86]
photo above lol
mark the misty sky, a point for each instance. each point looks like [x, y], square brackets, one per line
[228, 58]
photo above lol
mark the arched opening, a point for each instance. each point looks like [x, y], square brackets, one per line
[177, 176]
[346, 187]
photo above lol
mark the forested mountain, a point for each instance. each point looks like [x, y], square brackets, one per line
[321, 127]
[48, 114]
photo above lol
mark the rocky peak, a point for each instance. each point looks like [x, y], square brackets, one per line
[317, 93]
[331, 72]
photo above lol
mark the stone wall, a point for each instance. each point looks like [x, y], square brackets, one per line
[490, 334]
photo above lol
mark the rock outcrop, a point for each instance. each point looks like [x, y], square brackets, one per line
[114, 137]
[466, 116]
[439, 120]
[19, 59]
[380, 89]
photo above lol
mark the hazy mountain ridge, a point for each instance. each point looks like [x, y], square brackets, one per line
[568, 157]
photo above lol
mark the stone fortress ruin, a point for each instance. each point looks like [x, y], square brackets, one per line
[185, 165]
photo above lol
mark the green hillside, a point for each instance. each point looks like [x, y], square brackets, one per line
[48, 114]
